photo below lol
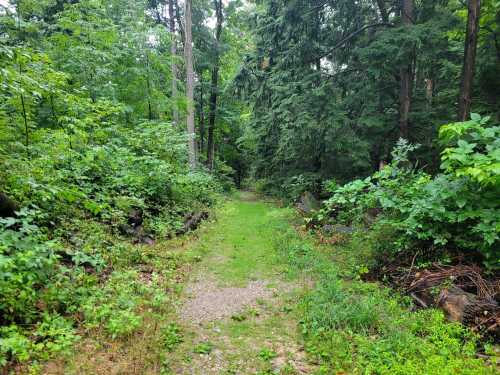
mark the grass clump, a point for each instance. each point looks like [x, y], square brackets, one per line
[203, 348]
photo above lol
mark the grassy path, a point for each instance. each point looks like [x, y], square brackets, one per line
[237, 316]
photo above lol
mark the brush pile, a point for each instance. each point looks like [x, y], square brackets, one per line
[461, 291]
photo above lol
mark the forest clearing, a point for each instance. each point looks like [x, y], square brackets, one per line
[250, 187]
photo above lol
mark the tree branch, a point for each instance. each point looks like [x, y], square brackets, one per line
[351, 36]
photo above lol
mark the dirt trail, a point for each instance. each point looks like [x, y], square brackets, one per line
[238, 310]
[208, 302]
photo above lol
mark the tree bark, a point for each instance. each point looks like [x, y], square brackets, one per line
[202, 118]
[214, 87]
[406, 73]
[173, 52]
[148, 90]
[383, 10]
[179, 21]
[464, 100]
[188, 52]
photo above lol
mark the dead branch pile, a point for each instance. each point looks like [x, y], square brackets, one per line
[461, 291]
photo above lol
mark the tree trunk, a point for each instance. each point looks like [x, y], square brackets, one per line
[173, 52]
[214, 88]
[464, 100]
[383, 10]
[188, 51]
[202, 118]
[406, 73]
[179, 21]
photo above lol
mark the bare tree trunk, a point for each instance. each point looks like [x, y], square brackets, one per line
[406, 73]
[148, 90]
[464, 100]
[215, 88]
[173, 52]
[202, 118]
[188, 52]
[179, 21]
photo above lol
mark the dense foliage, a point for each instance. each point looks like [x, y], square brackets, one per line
[88, 154]
[343, 100]
[324, 83]
[455, 210]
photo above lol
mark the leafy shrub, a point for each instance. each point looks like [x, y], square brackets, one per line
[27, 262]
[457, 209]
[81, 162]
[13, 345]
[172, 336]
[74, 193]
[54, 334]
[113, 306]
[289, 188]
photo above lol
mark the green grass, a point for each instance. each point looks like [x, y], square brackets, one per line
[241, 244]
[236, 249]
[364, 328]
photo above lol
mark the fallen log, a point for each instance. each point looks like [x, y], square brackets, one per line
[467, 308]
[192, 221]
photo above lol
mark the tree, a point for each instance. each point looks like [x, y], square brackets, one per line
[406, 72]
[214, 86]
[173, 51]
[471, 37]
[188, 53]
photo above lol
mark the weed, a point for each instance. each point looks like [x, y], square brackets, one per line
[267, 354]
[239, 317]
[203, 348]
[172, 336]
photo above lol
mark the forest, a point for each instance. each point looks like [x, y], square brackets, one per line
[250, 187]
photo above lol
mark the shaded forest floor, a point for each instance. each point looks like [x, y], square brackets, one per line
[248, 294]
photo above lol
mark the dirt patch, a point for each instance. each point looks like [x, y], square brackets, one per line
[291, 357]
[209, 302]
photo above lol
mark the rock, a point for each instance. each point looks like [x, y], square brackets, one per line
[337, 229]
[8, 207]
[308, 203]
[148, 240]
[371, 216]
[327, 229]
[135, 217]
[126, 230]
[344, 229]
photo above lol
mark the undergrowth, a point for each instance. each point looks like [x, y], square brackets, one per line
[452, 214]
[364, 328]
